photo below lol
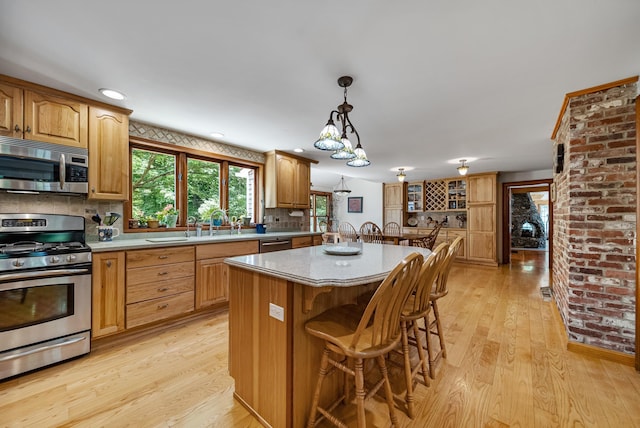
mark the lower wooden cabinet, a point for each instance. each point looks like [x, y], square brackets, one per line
[108, 287]
[211, 272]
[301, 241]
[160, 284]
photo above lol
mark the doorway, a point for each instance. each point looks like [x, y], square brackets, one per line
[527, 222]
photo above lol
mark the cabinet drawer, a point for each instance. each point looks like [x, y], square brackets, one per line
[153, 290]
[227, 249]
[159, 273]
[159, 309]
[301, 241]
[161, 256]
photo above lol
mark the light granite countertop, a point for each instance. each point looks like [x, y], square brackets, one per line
[312, 266]
[157, 241]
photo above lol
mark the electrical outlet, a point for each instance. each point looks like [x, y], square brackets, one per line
[276, 312]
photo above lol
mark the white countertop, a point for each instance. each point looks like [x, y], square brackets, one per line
[311, 266]
[157, 241]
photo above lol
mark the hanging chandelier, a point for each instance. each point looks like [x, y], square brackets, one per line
[401, 175]
[331, 139]
[341, 189]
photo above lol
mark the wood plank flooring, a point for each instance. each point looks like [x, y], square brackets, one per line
[507, 366]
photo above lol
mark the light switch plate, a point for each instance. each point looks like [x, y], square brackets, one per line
[276, 312]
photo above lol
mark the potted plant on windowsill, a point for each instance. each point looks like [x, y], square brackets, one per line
[168, 216]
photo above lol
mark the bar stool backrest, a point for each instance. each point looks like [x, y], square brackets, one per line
[431, 267]
[381, 318]
[441, 282]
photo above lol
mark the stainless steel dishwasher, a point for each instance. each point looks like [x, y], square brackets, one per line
[274, 244]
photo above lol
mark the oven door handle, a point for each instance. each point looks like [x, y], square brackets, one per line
[43, 348]
[42, 273]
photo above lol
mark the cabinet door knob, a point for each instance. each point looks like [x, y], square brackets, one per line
[108, 263]
[17, 128]
[28, 130]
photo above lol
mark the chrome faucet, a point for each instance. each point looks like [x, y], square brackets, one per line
[189, 219]
[216, 213]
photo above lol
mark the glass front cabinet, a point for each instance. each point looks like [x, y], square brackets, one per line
[415, 196]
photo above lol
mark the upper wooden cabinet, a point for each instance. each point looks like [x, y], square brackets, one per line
[287, 180]
[11, 111]
[415, 196]
[108, 155]
[482, 189]
[394, 195]
[394, 203]
[55, 120]
[43, 117]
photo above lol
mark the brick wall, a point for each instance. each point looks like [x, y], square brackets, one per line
[595, 219]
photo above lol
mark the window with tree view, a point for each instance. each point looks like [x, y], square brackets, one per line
[200, 188]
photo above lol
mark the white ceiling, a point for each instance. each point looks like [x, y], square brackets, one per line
[434, 81]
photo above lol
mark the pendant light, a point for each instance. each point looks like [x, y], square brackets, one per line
[332, 140]
[463, 169]
[401, 175]
[341, 189]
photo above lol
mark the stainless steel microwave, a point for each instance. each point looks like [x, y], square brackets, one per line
[32, 166]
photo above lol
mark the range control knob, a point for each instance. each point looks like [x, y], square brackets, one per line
[71, 257]
[18, 263]
[54, 259]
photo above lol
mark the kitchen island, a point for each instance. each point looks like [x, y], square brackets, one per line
[273, 361]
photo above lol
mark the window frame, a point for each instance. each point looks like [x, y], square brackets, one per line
[313, 218]
[182, 153]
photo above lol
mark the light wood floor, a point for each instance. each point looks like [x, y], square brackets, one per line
[507, 366]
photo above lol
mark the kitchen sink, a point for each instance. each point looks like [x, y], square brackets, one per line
[168, 239]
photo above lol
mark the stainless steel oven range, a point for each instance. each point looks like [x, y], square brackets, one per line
[45, 291]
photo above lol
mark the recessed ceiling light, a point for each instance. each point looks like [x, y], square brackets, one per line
[113, 94]
[217, 135]
[298, 150]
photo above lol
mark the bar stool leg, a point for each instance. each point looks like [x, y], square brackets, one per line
[436, 314]
[421, 355]
[360, 392]
[407, 369]
[387, 390]
[324, 364]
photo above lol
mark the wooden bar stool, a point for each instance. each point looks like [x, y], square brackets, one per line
[358, 336]
[440, 290]
[418, 307]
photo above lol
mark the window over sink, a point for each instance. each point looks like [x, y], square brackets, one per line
[193, 182]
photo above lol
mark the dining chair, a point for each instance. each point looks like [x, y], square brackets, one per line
[347, 232]
[391, 229]
[440, 290]
[429, 240]
[417, 308]
[370, 232]
[357, 336]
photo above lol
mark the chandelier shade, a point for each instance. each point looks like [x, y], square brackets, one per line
[346, 152]
[332, 139]
[360, 159]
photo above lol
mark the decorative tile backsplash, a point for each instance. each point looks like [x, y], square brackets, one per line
[163, 135]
